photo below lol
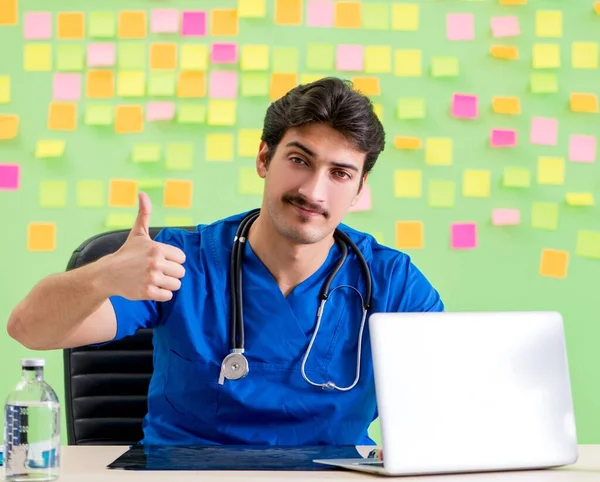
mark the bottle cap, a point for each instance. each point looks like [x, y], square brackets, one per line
[32, 362]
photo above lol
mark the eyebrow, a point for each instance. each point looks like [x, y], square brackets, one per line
[308, 151]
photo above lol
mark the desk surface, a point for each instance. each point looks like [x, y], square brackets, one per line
[88, 463]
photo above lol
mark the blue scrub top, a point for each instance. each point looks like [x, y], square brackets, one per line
[273, 405]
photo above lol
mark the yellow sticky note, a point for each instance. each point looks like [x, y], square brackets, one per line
[131, 84]
[47, 148]
[401, 142]
[248, 142]
[438, 151]
[62, 116]
[516, 177]
[378, 109]
[549, 23]
[37, 57]
[546, 56]
[119, 220]
[224, 22]
[579, 199]
[221, 112]
[132, 25]
[584, 102]
[70, 25]
[476, 183]
[4, 89]
[551, 170]
[584, 55]
[347, 15]
[252, 8]
[90, 193]
[145, 152]
[163, 56]
[408, 63]
[193, 57]
[506, 52]
[408, 183]
[9, 126]
[100, 84]
[378, 59]
[219, 147]
[513, 2]
[178, 193]
[281, 84]
[597, 8]
[41, 236]
[122, 193]
[409, 234]
[53, 194]
[506, 105]
[191, 84]
[177, 221]
[250, 183]
[288, 12]
[129, 119]
[366, 85]
[554, 263]
[254, 57]
[405, 16]
[9, 12]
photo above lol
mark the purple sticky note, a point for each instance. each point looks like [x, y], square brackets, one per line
[460, 26]
[506, 217]
[464, 106]
[320, 13]
[164, 20]
[156, 111]
[582, 148]
[66, 87]
[503, 138]
[505, 26]
[463, 236]
[364, 201]
[37, 25]
[224, 53]
[544, 131]
[101, 55]
[349, 58]
[223, 84]
[194, 23]
[9, 177]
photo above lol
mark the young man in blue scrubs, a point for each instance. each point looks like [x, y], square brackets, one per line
[319, 143]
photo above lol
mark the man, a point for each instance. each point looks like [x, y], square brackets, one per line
[318, 145]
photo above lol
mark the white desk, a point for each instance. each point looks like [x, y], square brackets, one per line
[88, 464]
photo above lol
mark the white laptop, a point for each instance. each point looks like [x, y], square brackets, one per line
[470, 392]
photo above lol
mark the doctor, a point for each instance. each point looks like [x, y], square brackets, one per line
[241, 355]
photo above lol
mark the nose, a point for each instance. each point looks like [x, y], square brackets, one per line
[314, 187]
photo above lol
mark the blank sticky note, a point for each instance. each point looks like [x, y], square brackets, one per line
[161, 84]
[248, 142]
[460, 26]
[132, 24]
[543, 83]
[4, 89]
[319, 13]
[320, 57]
[505, 26]
[118, 220]
[41, 236]
[49, 148]
[549, 23]
[506, 105]
[349, 58]
[164, 20]
[100, 84]
[368, 86]
[62, 116]
[584, 55]
[179, 157]
[281, 84]
[10, 175]
[409, 235]
[551, 170]
[224, 53]
[9, 12]
[193, 23]
[191, 84]
[405, 142]
[102, 25]
[131, 84]
[405, 16]
[378, 59]
[441, 194]
[70, 25]
[516, 177]
[255, 57]
[178, 193]
[9, 126]
[506, 217]
[250, 183]
[101, 55]
[512, 2]
[544, 131]
[191, 113]
[597, 8]
[285, 60]
[37, 57]
[408, 183]
[132, 55]
[375, 16]
[408, 63]
[364, 201]
[505, 52]
[146, 152]
[219, 147]
[464, 106]
[438, 151]
[583, 102]
[476, 183]
[503, 138]
[193, 57]
[177, 221]
[546, 56]
[411, 108]
[544, 216]
[463, 236]
[69, 57]
[588, 244]
[66, 86]
[221, 112]
[289, 12]
[98, 114]
[129, 119]
[554, 263]
[582, 148]
[122, 193]
[444, 67]
[579, 199]
[53, 194]
[163, 56]
[252, 8]
[160, 111]
[37, 25]
[90, 193]
[347, 15]
[224, 22]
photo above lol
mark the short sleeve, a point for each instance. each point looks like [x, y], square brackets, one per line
[417, 293]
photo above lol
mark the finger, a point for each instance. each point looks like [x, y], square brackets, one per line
[168, 283]
[175, 270]
[141, 227]
[159, 294]
[172, 253]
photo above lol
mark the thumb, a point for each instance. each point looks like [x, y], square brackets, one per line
[141, 227]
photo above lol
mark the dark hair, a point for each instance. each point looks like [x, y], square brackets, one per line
[330, 101]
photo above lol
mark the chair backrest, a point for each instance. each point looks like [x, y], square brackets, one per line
[106, 387]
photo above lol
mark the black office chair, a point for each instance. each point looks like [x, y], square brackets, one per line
[106, 387]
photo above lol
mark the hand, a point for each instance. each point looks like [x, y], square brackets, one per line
[143, 269]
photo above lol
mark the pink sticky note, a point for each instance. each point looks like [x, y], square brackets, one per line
[463, 236]
[66, 87]
[224, 53]
[9, 177]
[101, 55]
[582, 148]
[460, 26]
[505, 26]
[223, 84]
[194, 23]
[506, 217]
[320, 13]
[464, 106]
[349, 58]
[156, 111]
[503, 138]
[164, 20]
[364, 201]
[37, 25]
[544, 131]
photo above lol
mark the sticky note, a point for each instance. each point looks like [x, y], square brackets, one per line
[310, 78]
[378, 59]
[554, 263]
[367, 85]
[546, 56]
[66, 86]
[584, 55]
[506, 217]
[506, 105]
[460, 26]
[53, 194]
[90, 193]
[37, 25]
[408, 63]
[62, 116]
[289, 12]
[9, 12]
[254, 57]
[10, 175]
[281, 84]
[249, 182]
[132, 24]
[177, 221]
[69, 57]
[150, 183]
[163, 56]
[544, 216]
[221, 112]
[224, 53]
[347, 15]
[254, 84]
[252, 8]
[444, 67]
[160, 111]
[402, 142]
[378, 110]
[119, 221]
[193, 23]
[582, 148]
[441, 194]
[131, 84]
[161, 84]
[4, 89]
[248, 142]
[544, 131]
[132, 55]
[178, 193]
[411, 108]
[516, 177]
[70, 25]
[364, 202]
[476, 183]
[597, 8]
[98, 114]
[179, 157]
[579, 199]
[219, 147]
[101, 55]
[164, 20]
[375, 16]
[224, 22]
[463, 235]
[503, 138]
[505, 52]
[409, 234]
[512, 2]
[319, 13]
[551, 170]
[405, 17]
[588, 244]
[191, 84]
[548, 23]
[505, 26]
[191, 114]
[9, 126]
[408, 183]
[223, 84]
[122, 193]
[580, 102]
[37, 57]
[320, 56]
[129, 119]
[102, 25]
[464, 106]
[438, 151]
[146, 152]
[543, 83]
[49, 148]
[349, 58]
[193, 57]
[100, 84]
[41, 236]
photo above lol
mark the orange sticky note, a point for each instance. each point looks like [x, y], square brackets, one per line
[597, 7]
[506, 105]
[401, 142]
[163, 56]
[71, 25]
[100, 84]
[281, 84]
[129, 119]
[191, 84]
[41, 236]
[367, 85]
[132, 24]
[554, 263]
[288, 12]
[409, 234]
[62, 116]
[9, 126]
[9, 12]
[178, 194]
[122, 193]
[507, 52]
[584, 102]
[224, 22]
[347, 15]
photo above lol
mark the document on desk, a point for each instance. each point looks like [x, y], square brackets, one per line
[231, 457]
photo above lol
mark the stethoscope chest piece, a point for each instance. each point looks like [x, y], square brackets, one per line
[233, 367]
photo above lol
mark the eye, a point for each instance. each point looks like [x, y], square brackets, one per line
[342, 175]
[297, 160]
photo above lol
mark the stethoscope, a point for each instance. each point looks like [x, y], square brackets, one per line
[235, 364]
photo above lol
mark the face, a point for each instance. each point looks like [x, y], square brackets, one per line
[311, 181]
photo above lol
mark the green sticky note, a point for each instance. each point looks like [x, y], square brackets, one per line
[588, 244]
[544, 216]
[119, 220]
[250, 182]
[378, 237]
[440, 194]
[375, 16]
[90, 194]
[411, 108]
[191, 114]
[98, 114]
[69, 57]
[53, 194]
[254, 84]
[102, 24]
[179, 221]
[285, 60]
[543, 83]
[320, 57]
[47, 148]
[150, 183]
[161, 84]
[132, 55]
[179, 157]
[444, 67]
[516, 177]
[145, 152]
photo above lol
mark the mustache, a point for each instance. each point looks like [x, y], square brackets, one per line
[300, 201]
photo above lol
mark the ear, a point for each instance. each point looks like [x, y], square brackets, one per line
[364, 181]
[261, 159]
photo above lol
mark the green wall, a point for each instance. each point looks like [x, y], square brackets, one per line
[501, 273]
